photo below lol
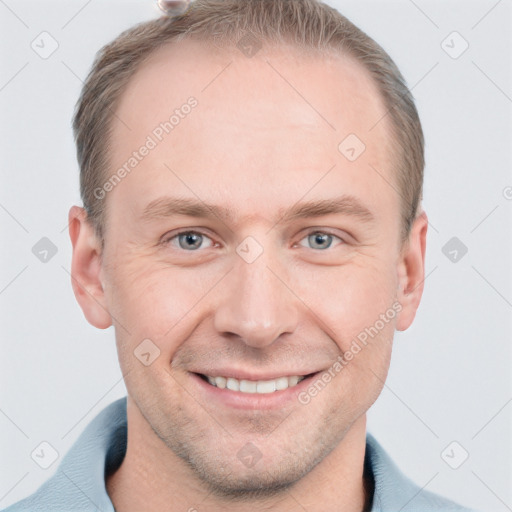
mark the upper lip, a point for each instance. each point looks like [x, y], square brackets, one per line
[245, 375]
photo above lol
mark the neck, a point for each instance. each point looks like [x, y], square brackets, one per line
[152, 477]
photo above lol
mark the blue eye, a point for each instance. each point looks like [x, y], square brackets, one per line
[321, 240]
[192, 241]
[187, 240]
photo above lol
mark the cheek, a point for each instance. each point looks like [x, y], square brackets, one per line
[151, 299]
[352, 298]
[154, 300]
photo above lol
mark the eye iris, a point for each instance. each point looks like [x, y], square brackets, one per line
[320, 238]
[194, 238]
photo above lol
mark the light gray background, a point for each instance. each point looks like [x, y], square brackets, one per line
[450, 378]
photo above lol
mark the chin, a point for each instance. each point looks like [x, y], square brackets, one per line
[249, 485]
[222, 470]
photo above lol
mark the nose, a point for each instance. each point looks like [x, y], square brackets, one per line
[256, 304]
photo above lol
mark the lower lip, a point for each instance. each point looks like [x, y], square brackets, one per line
[240, 400]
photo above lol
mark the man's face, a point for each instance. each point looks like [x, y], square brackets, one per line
[258, 294]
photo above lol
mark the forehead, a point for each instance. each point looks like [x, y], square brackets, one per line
[312, 86]
[270, 122]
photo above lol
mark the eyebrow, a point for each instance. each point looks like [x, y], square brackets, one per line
[165, 207]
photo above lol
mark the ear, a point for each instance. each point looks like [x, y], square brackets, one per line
[411, 272]
[86, 269]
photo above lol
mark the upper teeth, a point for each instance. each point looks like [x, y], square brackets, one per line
[255, 386]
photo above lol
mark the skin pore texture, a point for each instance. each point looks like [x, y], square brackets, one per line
[262, 139]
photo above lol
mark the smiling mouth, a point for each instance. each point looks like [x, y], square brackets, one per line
[255, 386]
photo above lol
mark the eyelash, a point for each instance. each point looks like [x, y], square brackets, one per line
[167, 240]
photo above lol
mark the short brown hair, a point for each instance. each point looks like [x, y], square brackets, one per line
[307, 24]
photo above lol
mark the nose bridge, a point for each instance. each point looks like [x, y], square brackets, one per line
[256, 305]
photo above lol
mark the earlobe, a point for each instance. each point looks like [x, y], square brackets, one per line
[86, 269]
[411, 272]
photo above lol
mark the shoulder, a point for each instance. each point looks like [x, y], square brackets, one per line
[78, 483]
[394, 491]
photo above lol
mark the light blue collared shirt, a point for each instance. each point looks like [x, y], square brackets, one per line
[78, 485]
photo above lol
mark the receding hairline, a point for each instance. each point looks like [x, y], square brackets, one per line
[227, 46]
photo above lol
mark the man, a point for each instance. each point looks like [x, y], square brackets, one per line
[251, 174]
